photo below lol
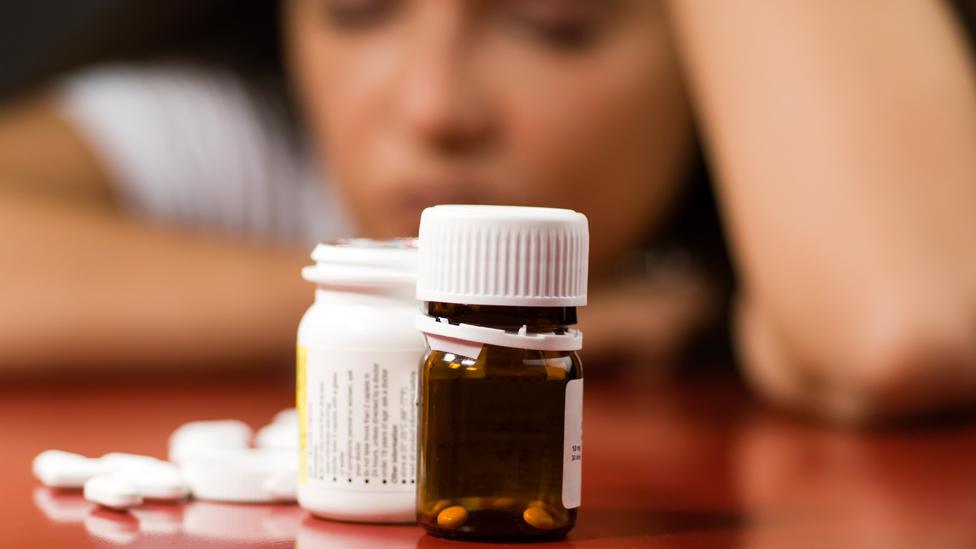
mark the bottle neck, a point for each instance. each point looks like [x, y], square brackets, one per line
[508, 318]
[380, 296]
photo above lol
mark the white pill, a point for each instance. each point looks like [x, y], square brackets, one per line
[119, 460]
[59, 469]
[238, 475]
[156, 482]
[108, 490]
[202, 438]
[280, 434]
[282, 485]
[288, 415]
[153, 478]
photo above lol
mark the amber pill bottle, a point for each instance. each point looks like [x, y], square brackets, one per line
[501, 385]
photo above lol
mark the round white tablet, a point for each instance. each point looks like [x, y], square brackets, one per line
[110, 491]
[238, 475]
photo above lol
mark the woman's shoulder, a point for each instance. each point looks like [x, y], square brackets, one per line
[168, 95]
[193, 145]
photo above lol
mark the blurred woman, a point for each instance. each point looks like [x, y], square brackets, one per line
[169, 202]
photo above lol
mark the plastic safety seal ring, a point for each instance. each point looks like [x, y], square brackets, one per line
[571, 341]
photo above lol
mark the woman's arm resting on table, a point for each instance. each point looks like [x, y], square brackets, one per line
[843, 135]
[83, 286]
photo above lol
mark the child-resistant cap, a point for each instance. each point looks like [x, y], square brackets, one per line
[503, 255]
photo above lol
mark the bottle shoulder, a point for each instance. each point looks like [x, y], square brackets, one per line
[351, 325]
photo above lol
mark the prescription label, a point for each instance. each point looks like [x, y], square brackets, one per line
[360, 419]
[573, 444]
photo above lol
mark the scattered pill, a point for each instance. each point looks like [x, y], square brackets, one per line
[210, 460]
[157, 481]
[121, 460]
[237, 475]
[280, 434]
[152, 478]
[282, 485]
[452, 517]
[537, 517]
[203, 438]
[288, 415]
[59, 469]
[108, 490]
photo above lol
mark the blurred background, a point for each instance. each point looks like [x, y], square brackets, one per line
[32, 42]
[211, 239]
[40, 40]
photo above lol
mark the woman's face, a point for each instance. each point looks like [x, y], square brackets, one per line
[564, 103]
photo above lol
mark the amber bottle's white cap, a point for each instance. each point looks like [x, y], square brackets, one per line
[503, 255]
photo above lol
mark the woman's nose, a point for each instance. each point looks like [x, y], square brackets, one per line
[440, 99]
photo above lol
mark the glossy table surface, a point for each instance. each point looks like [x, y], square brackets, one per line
[689, 463]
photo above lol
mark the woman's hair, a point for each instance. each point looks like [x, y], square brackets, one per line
[966, 9]
[239, 36]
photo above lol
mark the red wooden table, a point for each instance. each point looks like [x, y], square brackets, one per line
[689, 463]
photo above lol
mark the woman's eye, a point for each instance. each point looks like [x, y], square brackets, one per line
[568, 35]
[567, 25]
[358, 14]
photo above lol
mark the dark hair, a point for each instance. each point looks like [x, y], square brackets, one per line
[966, 10]
[243, 37]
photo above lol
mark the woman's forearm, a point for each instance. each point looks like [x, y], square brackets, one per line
[843, 135]
[83, 287]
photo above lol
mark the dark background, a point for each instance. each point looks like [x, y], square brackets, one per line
[40, 39]
[35, 34]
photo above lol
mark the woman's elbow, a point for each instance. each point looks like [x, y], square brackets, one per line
[896, 362]
[904, 363]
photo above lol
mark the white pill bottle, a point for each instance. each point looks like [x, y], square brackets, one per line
[357, 367]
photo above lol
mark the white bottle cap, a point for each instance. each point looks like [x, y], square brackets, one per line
[503, 255]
